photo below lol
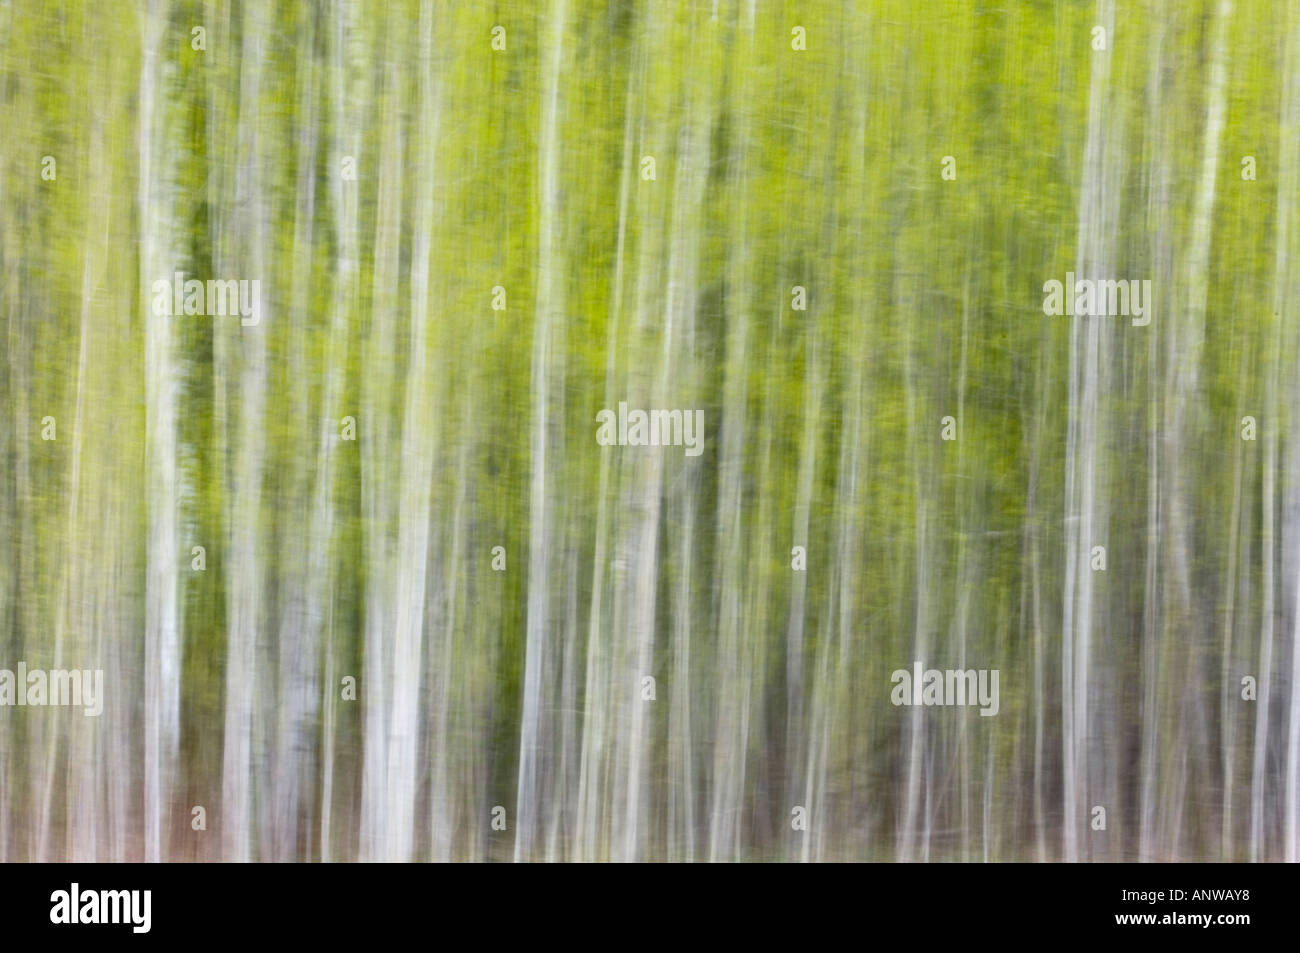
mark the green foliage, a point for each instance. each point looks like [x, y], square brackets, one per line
[775, 168]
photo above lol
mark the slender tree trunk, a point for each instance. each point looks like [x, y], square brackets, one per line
[162, 617]
[547, 373]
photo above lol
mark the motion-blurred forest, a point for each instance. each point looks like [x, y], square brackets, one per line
[841, 239]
